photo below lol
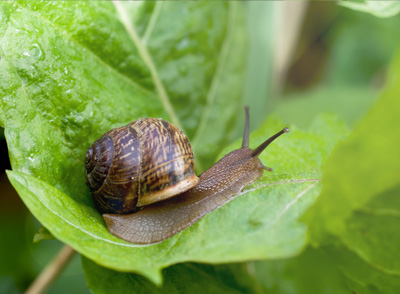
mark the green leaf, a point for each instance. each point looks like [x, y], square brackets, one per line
[42, 234]
[261, 30]
[362, 175]
[349, 103]
[16, 266]
[260, 223]
[363, 166]
[359, 275]
[328, 269]
[377, 8]
[373, 237]
[181, 278]
[366, 251]
[310, 272]
[359, 62]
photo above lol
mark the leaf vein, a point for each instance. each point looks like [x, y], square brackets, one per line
[365, 257]
[278, 183]
[145, 55]
[222, 59]
[152, 22]
[290, 204]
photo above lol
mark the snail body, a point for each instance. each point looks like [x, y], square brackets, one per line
[195, 197]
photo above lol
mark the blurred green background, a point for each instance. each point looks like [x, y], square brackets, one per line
[304, 58]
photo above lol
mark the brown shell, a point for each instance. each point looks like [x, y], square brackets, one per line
[144, 162]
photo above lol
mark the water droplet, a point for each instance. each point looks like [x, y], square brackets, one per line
[36, 52]
[39, 51]
[66, 70]
[30, 157]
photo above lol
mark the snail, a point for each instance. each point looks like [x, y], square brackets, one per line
[141, 177]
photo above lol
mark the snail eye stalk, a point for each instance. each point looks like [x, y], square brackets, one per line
[265, 144]
[245, 143]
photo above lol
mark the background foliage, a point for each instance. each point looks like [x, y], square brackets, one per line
[69, 71]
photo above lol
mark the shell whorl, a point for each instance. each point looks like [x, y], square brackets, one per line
[146, 161]
[118, 163]
[167, 163]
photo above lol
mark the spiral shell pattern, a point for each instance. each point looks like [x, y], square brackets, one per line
[144, 162]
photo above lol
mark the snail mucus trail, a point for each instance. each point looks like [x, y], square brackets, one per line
[142, 180]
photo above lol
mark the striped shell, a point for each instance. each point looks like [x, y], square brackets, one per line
[144, 162]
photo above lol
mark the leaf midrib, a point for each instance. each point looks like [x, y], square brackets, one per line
[222, 59]
[146, 57]
[168, 251]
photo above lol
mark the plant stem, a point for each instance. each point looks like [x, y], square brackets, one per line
[51, 272]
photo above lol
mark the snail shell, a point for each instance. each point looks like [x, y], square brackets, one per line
[144, 162]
